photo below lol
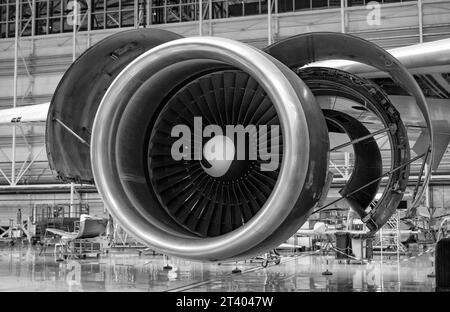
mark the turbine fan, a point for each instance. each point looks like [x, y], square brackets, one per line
[206, 204]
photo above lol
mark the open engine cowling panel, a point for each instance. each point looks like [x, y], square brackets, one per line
[143, 113]
[79, 93]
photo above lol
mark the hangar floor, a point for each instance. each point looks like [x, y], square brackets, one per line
[23, 269]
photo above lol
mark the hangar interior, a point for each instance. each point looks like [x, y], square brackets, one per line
[39, 42]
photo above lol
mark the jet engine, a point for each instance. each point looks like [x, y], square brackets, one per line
[208, 149]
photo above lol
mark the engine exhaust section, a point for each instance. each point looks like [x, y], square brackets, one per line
[146, 115]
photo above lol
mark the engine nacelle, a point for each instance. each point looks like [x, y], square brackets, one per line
[206, 148]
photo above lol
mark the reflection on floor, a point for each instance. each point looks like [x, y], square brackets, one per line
[22, 269]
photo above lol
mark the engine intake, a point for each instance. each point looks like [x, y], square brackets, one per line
[133, 122]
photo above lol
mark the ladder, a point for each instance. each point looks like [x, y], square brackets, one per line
[389, 237]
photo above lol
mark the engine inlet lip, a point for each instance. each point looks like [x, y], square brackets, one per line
[292, 174]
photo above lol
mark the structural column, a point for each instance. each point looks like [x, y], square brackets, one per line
[269, 22]
[200, 17]
[210, 15]
[343, 5]
[420, 13]
[16, 57]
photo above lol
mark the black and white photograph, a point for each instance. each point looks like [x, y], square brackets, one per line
[226, 151]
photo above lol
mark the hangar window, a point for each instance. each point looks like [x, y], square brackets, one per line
[365, 2]
[7, 18]
[175, 11]
[42, 12]
[219, 9]
[112, 14]
[3, 18]
[57, 16]
[54, 17]
[302, 4]
[243, 7]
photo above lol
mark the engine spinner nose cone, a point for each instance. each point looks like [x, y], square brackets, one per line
[218, 155]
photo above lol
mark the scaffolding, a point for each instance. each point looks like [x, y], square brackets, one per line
[388, 240]
[16, 231]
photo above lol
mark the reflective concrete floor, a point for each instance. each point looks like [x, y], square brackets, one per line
[23, 269]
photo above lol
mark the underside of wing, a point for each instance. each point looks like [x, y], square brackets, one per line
[24, 114]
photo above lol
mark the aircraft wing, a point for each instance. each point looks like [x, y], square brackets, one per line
[423, 58]
[428, 62]
[24, 114]
[91, 227]
[63, 234]
[288, 246]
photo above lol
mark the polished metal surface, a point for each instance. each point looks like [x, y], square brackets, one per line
[301, 176]
[23, 269]
[368, 161]
[419, 58]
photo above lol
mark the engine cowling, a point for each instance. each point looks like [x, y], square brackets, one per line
[143, 113]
